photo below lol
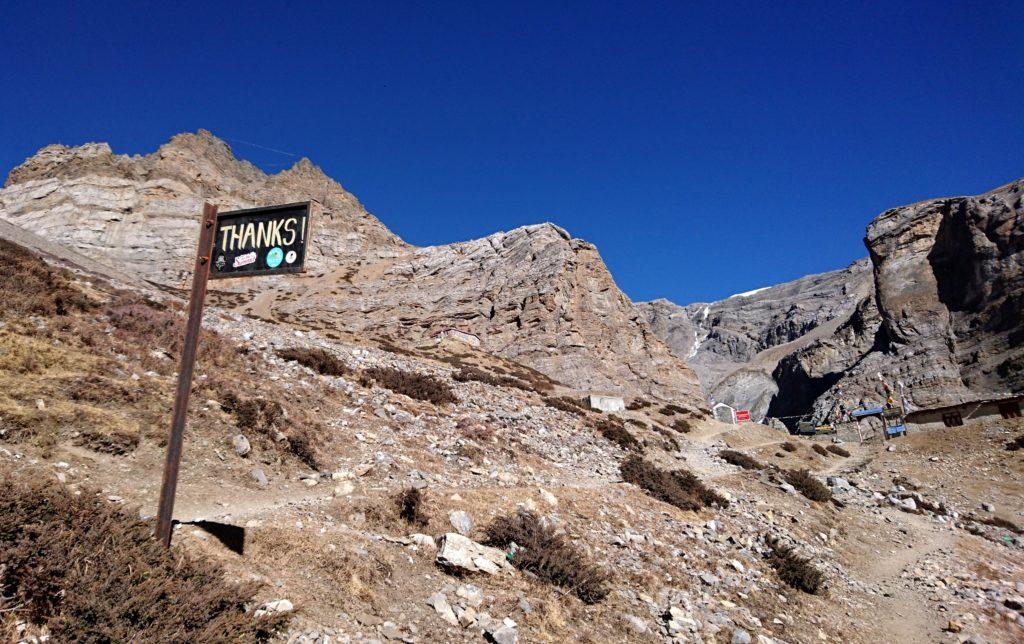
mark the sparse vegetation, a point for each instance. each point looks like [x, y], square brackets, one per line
[468, 373]
[91, 573]
[566, 404]
[680, 488]
[617, 433]
[672, 409]
[116, 443]
[410, 507]
[682, 425]
[998, 522]
[31, 287]
[740, 459]
[638, 404]
[321, 361]
[789, 447]
[818, 449]
[793, 569]
[839, 451]
[543, 552]
[807, 485]
[1015, 444]
[414, 385]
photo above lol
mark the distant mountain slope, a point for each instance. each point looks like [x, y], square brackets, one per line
[939, 305]
[533, 294]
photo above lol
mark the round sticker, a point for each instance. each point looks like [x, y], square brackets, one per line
[289, 257]
[274, 257]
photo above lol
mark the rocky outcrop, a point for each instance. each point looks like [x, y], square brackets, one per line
[940, 307]
[533, 294]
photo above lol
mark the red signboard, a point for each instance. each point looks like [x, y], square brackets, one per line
[742, 415]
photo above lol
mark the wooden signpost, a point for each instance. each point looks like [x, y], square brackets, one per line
[243, 243]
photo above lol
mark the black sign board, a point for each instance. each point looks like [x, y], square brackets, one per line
[261, 241]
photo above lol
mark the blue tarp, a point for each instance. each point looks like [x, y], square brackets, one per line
[860, 413]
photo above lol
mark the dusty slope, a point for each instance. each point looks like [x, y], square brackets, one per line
[534, 294]
[336, 550]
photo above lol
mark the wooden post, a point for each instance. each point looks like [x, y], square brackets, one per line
[200, 276]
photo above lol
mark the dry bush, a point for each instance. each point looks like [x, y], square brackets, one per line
[29, 286]
[740, 459]
[410, 507]
[302, 443]
[789, 447]
[681, 425]
[323, 362]
[997, 522]
[413, 385]
[475, 431]
[254, 414]
[1015, 444]
[807, 485]
[835, 449]
[617, 433]
[467, 373]
[566, 404]
[818, 449]
[548, 555]
[672, 409]
[638, 404]
[679, 488]
[794, 570]
[670, 442]
[91, 573]
[116, 443]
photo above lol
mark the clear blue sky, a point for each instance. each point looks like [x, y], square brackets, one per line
[705, 148]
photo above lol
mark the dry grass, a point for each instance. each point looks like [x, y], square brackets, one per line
[323, 362]
[740, 459]
[807, 485]
[794, 570]
[413, 385]
[29, 286]
[548, 555]
[680, 488]
[91, 573]
[839, 451]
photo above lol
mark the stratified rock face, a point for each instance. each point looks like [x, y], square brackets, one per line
[532, 294]
[735, 345]
[940, 308]
[141, 213]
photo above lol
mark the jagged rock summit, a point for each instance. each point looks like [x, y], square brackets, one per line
[533, 294]
[939, 305]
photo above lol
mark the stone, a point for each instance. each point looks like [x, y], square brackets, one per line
[258, 476]
[457, 551]
[344, 488]
[636, 623]
[548, 497]
[461, 522]
[504, 635]
[471, 594]
[444, 610]
[740, 636]
[275, 606]
[423, 540]
[988, 507]
[241, 444]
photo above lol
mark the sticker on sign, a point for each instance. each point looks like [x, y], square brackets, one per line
[261, 241]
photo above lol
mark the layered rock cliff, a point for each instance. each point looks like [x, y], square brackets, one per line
[533, 294]
[939, 307]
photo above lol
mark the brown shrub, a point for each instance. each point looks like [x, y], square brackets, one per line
[794, 570]
[413, 385]
[410, 507]
[1015, 444]
[998, 522]
[670, 442]
[740, 459]
[468, 373]
[254, 414]
[679, 488]
[807, 485]
[548, 555]
[638, 404]
[116, 443]
[302, 443]
[29, 286]
[672, 409]
[835, 449]
[617, 433]
[818, 449]
[566, 404]
[323, 362]
[91, 573]
[789, 447]
[681, 425]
